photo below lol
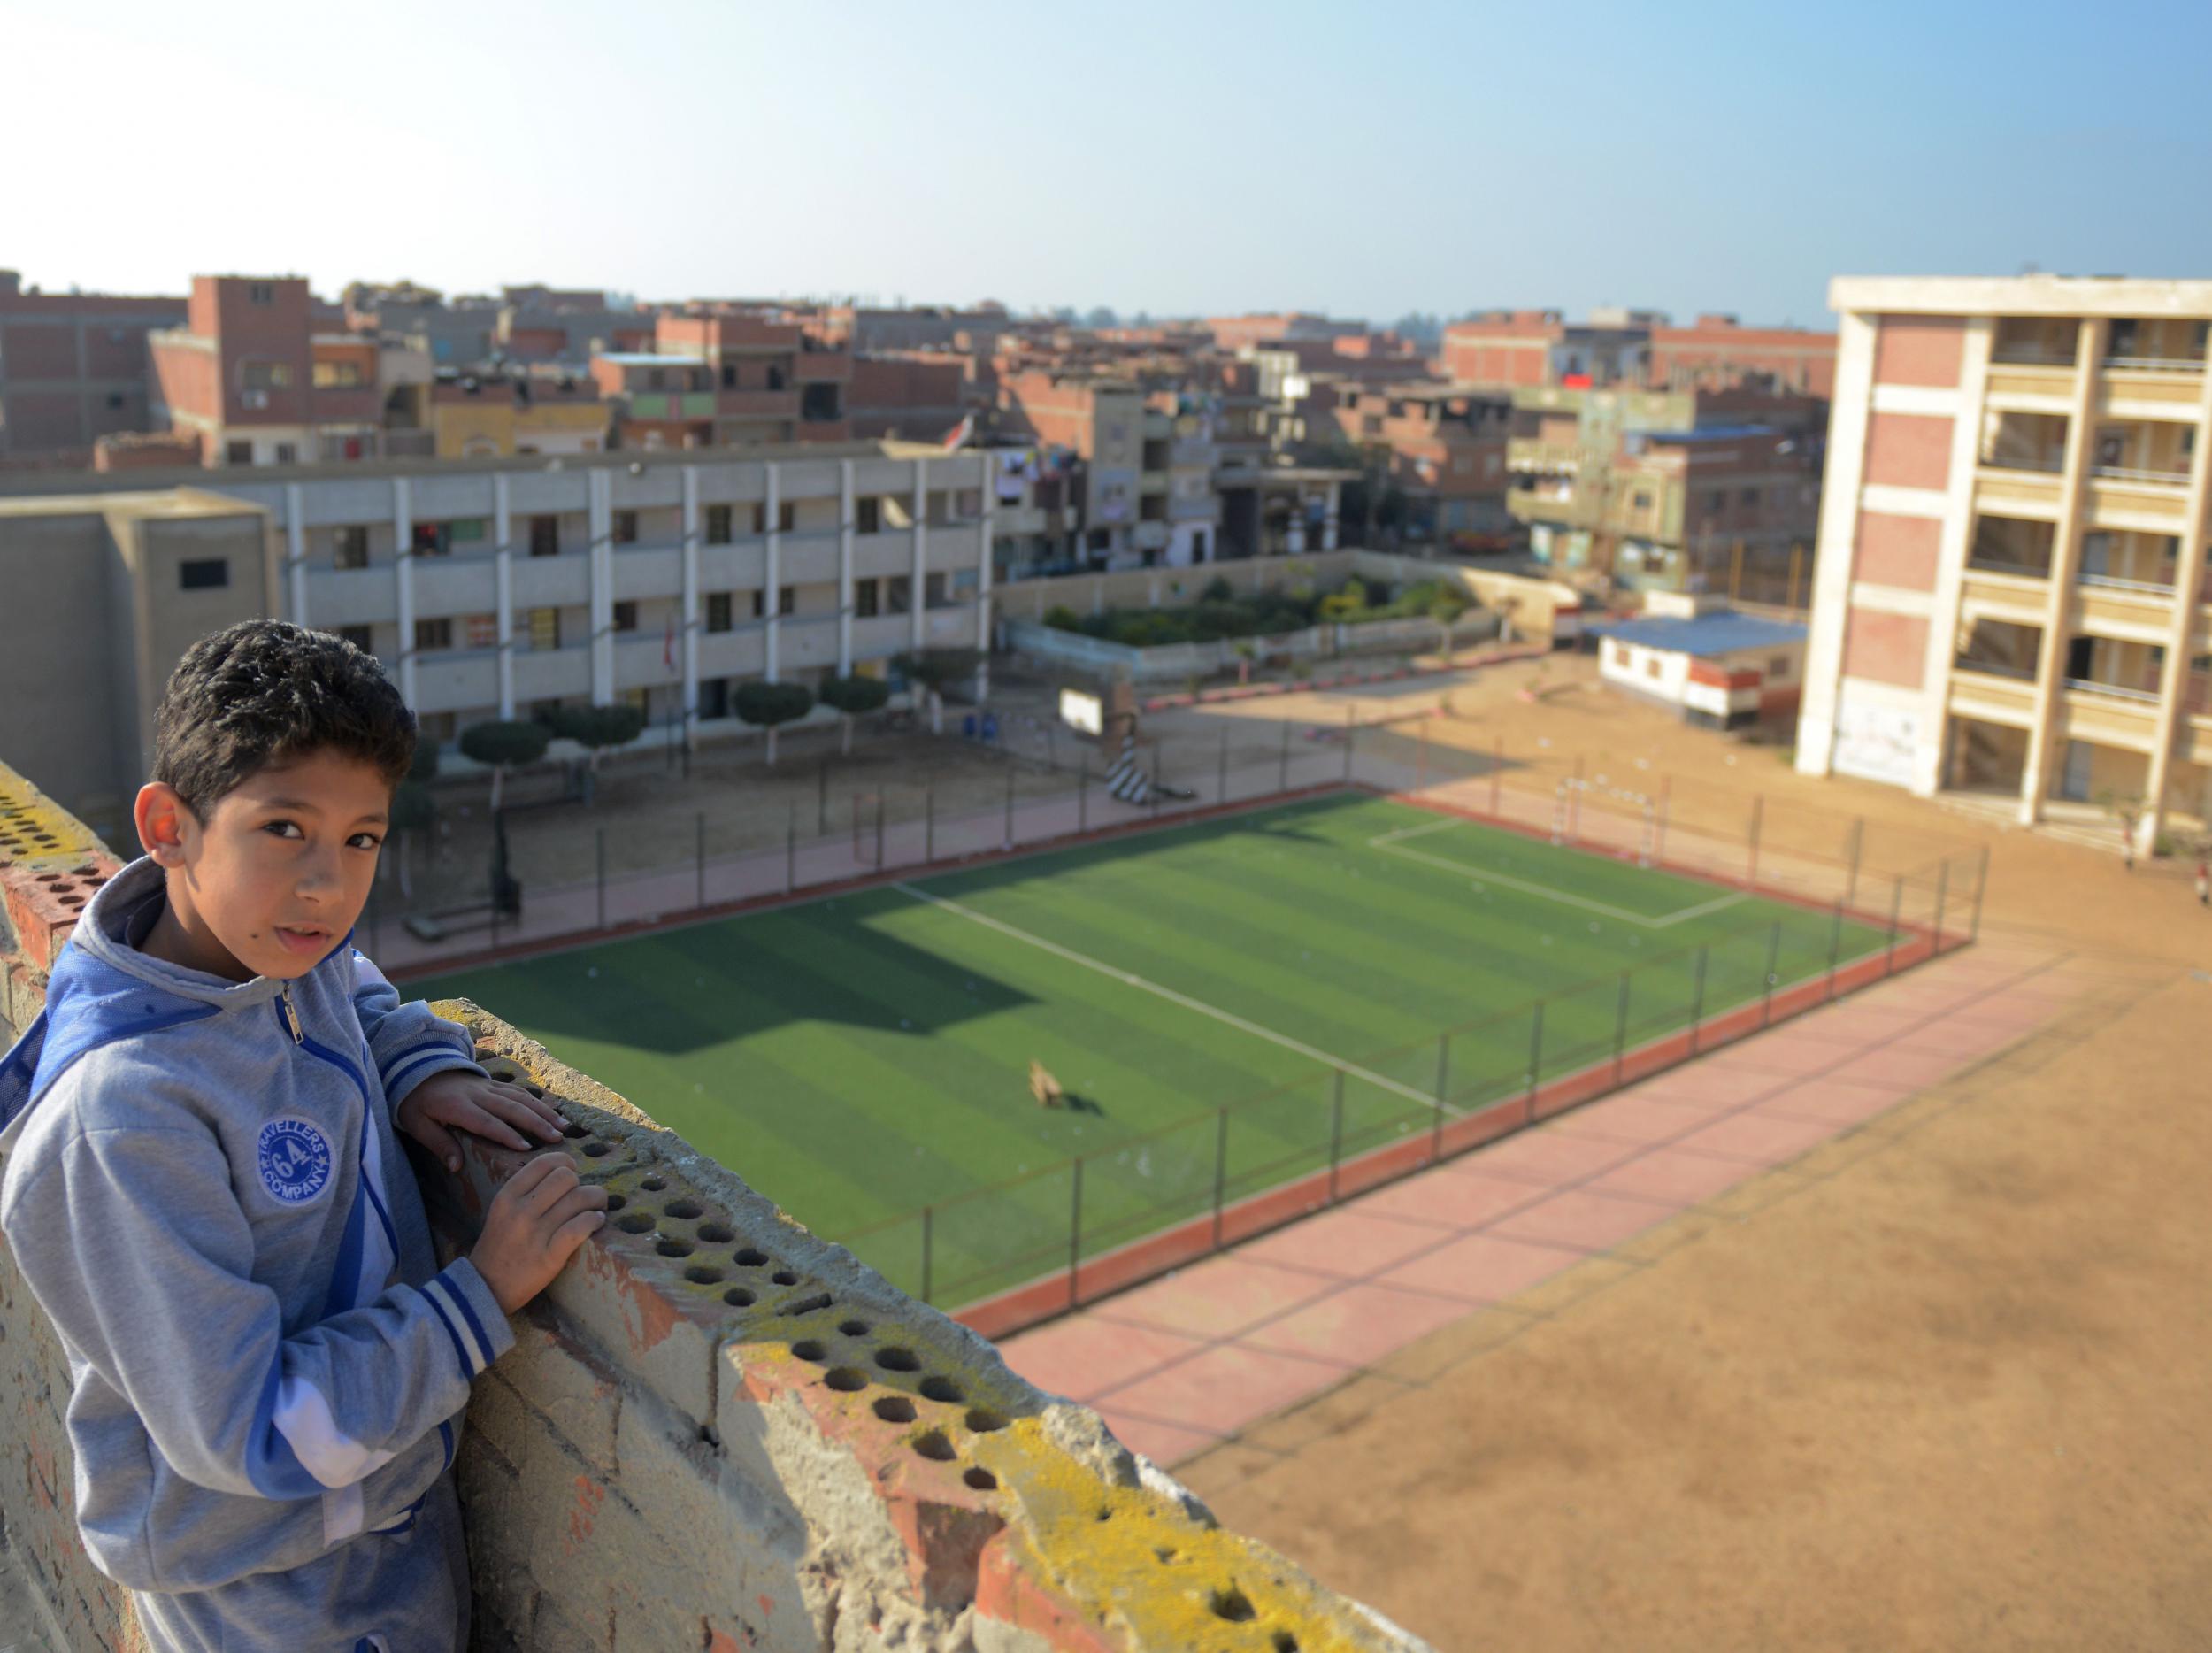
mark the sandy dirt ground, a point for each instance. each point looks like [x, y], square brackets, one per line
[1940, 1385]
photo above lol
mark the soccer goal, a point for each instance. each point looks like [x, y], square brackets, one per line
[1619, 818]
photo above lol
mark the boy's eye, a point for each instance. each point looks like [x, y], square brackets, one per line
[281, 828]
[366, 840]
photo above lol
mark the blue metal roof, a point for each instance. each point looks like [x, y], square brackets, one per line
[1723, 632]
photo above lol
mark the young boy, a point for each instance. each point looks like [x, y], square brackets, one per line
[204, 1186]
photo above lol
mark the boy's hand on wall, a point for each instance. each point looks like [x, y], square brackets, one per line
[535, 1223]
[457, 1100]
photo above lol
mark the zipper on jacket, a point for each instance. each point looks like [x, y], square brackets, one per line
[292, 1017]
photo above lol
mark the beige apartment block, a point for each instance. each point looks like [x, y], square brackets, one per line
[2011, 596]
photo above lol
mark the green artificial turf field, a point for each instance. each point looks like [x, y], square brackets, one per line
[859, 1057]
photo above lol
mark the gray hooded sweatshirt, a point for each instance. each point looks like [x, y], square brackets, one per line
[200, 1181]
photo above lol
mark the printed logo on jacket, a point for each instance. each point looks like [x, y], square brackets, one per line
[294, 1160]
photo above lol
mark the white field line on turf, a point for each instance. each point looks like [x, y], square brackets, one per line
[1169, 994]
[1390, 841]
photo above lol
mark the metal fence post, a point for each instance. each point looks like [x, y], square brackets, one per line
[1620, 1028]
[1697, 1001]
[1858, 840]
[1223, 784]
[599, 856]
[1336, 1130]
[1835, 946]
[791, 851]
[1943, 884]
[821, 797]
[879, 831]
[1896, 903]
[1535, 1056]
[1349, 727]
[929, 822]
[699, 857]
[1221, 1169]
[1774, 956]
[1083, 797]
[1075, 1230]
[1981, 880]
[1282, 777]
[1009, 803]
[1443, 1090]
[1758, 809]
[929, 1222]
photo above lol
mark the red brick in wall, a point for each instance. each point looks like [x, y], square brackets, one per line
[1909, 450]
[1899, 551]
[1880, 647]
[1919, 350]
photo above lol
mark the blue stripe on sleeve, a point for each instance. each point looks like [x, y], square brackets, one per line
[445, 1434]
[461, 1298]
[460, 1349]
[403, 1068]
[272, 1466]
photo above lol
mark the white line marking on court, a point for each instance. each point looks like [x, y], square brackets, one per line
[1391, 840]
[1184, 999]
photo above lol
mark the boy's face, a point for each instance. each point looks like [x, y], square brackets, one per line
[275, 876]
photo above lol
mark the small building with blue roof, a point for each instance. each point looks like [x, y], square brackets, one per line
[1716, 666]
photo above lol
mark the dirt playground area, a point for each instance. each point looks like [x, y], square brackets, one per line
[1938, 1384]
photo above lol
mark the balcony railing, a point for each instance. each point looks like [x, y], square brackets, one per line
[2114, 582]
[2158, 364]
[2122, 473]
[2048, 464]
[2030, 356]
[2002, 566]
[1994, 668]
[2113, 691]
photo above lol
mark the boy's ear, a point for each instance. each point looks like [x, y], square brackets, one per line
[164, 822]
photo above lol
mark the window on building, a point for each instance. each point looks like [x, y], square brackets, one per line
[729, 375]
[545, 536]
[1616, 652]
[655, 379]
[1778, 666]
[545, 630]
[625, 527]
[714, 697]
[337, 375]
[865, 599]
[787, 602]
[1716, 500]
[626, 617]
[350, 548]
[967, 504]
[1651, 666]
[260, 293]
[115, 399]
[482, 631]
[933, 591]
[718, 525]
[287, 454]
[1643, 499]
[238, 453]
[869, 510]
[1749, 496]
[264, 375]
[204, 573]
[427, 539]
[775, 377]
[719, 616]
[359, 637]
[469, 531]
[898, 595]
[433, 633]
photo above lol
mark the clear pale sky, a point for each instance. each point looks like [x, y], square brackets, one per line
[1195, 156]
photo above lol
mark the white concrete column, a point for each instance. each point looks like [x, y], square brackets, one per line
[989, 493]
[504, 589]
[2058, 612]
[691, 619]
[1328, 523]
[601, 531]
[404, 584]
[294, 554]
[845, 525]
[919, 576]
[771, 604]
[1832, 557]
[1954, 545]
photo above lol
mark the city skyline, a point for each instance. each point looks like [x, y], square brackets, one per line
[1177, 163]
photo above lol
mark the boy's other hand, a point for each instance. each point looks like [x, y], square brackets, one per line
[491, 1108]
[535, 1223]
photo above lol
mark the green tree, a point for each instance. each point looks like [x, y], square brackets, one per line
[764, 706]
[935, 669]
[1445, 608]
[852, 697]
[1060, 617]
[503, 746]
[595, 728]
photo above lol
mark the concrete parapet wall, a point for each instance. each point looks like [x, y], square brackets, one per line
[716, 1431]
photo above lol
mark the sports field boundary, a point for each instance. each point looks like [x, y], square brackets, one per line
[1086, 1280]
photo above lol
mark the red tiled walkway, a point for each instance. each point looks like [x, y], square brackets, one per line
[1185, 1362]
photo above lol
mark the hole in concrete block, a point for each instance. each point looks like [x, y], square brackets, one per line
[710, 1435]
[715, 1233]
[571, 1129]
[596, 1150]
[751, 1258]
[674, 1247]
[895, 1409]
[846, 1380]
[653, 1185]
[853, 1328]
[807, 1349]
[936, 1447]
[784, 1276]
[981, 1480]
[982, 1419]
[738, 1297]
[1232, 1604]
[702, 1276]
[810, 1305]
[1164, 1553]
[1285, 1643]
[896, 1359]
[682, 1210]
[635, 1223]
[941, 1389]
[615, 1202]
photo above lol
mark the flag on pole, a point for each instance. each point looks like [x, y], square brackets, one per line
[958, 435]
[668, 644]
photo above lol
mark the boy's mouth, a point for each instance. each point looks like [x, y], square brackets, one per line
[301, 938]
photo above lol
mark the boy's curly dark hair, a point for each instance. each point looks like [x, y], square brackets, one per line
[265, 692]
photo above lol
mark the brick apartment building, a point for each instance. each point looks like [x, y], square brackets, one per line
[1719, 353]
[2012, 594]
[1530, 349]
[541, 324]
[1232, 334]
[252, 379]
[73, 368]
[727, 377]
[918, 394]
[1440, 449]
